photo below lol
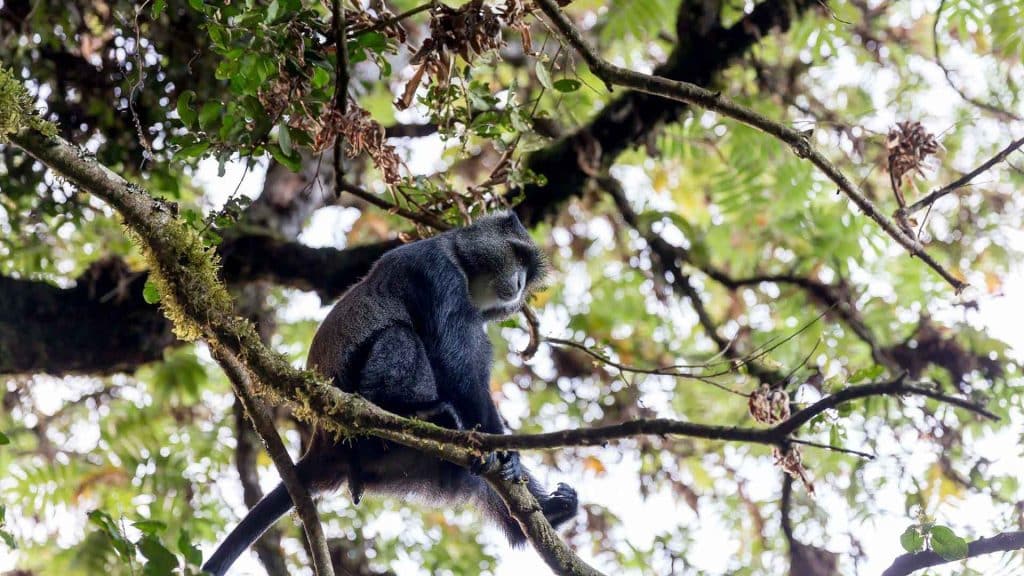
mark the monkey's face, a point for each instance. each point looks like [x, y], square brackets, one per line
[501, 262]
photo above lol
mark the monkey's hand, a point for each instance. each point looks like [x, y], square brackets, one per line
[506, 463]
[561, 505]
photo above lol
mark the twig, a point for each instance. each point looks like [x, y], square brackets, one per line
[533, 326]
[963, 180]
[894, 387]
[714, 101]
[397, 18]
[420, 217]
[674, 370]
[264, 426]
[998, 112]
[864, 455]
[908, 563]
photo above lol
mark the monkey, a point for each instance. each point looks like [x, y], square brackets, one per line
[410, 337]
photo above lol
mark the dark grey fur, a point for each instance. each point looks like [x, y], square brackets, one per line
[410, 338]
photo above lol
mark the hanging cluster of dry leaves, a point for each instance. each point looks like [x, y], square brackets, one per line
[467, 31]
[769, 405]
[909, 145]
[362, 134]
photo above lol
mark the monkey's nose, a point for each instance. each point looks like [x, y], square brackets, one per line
[520, 282]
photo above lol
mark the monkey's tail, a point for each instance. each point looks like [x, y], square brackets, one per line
[263, 515]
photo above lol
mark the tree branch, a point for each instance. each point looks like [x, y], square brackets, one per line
[424, 218]
[201, 307]
[264, 426]
[961, 181]
[714, 101]
[341, 78]
[268, 547]
[115, 330]
[702, 51]
[908, 563]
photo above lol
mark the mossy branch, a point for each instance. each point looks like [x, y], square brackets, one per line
[192, 296]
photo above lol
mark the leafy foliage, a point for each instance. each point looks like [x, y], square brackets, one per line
[137, 474]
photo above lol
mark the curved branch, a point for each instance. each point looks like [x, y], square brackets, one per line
[963, 180]
[703, 50]
[264, 426]
[714, 101]
[908, 563]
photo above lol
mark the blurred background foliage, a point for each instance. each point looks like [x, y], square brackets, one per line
[127, 463]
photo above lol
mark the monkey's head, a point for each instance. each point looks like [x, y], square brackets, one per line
[501, 262]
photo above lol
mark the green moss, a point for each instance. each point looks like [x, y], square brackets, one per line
[17, 110]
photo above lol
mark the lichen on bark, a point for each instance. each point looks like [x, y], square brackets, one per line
[17, 110]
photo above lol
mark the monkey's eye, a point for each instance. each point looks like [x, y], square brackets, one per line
[527, 257]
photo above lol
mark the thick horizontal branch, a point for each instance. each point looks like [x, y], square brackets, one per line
[100, 326]
[909, 563]
[115, 330]
[702, 52]
[326, 271]
[714, 101]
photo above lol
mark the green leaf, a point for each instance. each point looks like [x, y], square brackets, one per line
[8, 539]
[947, 544]
[209, 114]
[292, 161]
[158, 8]
[193, 150]
[190, 551]
[833, 435]
[567, 84]
[542, 75]
[149, 526]
[3, 440]
[273, 11]
[284, 138]
[320, 77]
[866, 374]
[185, 112]
[912, 540]
[161, 561]
[121, 545]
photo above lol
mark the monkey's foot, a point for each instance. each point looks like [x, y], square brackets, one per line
[505, 463]
[561, 505]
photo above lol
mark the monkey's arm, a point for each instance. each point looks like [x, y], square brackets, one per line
[397, 375]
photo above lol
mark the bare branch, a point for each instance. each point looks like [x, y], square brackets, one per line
[714, 101]
[963, 180]
[424, 218]
[908, 563]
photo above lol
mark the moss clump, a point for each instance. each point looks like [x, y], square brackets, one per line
[17, 110]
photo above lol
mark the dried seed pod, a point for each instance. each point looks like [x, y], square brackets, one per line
[909, 145]
[769, 405]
